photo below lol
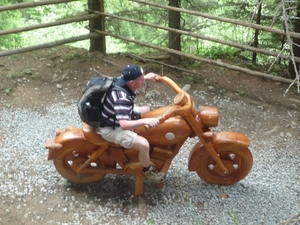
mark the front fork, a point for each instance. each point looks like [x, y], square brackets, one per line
[205, 138]
[210, 148]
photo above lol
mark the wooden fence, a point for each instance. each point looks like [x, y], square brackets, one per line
[84, 17]
[97, 33]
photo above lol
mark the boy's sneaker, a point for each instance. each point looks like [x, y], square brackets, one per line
[153, 176]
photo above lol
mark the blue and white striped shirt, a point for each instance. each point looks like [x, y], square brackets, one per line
[118, 105]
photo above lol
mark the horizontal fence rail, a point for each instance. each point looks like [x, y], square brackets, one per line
[236, 45]
[96, 33]
[222, 19]
[50, 44]
[214, 62]
[51, 24]
[33, 4]
[83, 17]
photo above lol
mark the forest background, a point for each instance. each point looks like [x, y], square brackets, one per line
[278, 14]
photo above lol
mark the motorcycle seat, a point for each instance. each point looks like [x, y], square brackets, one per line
[91, 135]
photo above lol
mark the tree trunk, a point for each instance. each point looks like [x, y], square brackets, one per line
[174, 38]
[97, 44]
[296, 48]
[255, 43]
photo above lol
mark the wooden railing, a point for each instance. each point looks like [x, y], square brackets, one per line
[98, 32]
[84, 17]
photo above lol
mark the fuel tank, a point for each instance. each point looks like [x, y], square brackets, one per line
[172, 131]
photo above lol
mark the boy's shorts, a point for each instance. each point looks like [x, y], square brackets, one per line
[125, 138]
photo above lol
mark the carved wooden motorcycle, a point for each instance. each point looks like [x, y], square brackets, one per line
[80, 155]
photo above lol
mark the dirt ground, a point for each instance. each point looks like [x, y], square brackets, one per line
[43, 77]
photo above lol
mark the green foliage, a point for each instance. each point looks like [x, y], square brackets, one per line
[234, 9]
[151, 221]
[10, 20]
[7, 90]
[234, 218]
[219, 52]
[36, 15]
[132, 30]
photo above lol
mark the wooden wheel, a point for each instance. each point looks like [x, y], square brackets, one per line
[73, 157]
[237, 159]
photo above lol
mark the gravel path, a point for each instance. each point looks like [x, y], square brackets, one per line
[32, 192]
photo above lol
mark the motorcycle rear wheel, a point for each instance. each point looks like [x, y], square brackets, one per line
[72, 158]
[237, 159]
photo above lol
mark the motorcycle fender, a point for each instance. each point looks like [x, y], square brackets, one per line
[64, 139]
[218, 139]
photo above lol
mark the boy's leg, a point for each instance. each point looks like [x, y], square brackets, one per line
[151, 174]
[143, 146]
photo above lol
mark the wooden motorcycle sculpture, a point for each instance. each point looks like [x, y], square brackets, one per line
[80, 155]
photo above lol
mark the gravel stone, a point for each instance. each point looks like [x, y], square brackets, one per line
[31, 189]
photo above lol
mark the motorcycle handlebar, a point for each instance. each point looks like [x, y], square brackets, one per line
[183, 104]
[169, 82]
[161, 120]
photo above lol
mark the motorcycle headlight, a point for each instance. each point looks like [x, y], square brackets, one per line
[209, 116]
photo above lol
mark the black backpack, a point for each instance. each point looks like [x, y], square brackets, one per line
[90, 103]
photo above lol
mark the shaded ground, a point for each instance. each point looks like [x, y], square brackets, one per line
[39, 78]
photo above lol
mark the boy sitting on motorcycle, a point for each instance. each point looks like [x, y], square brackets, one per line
[121, 118]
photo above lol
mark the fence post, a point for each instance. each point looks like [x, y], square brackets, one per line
[175, 38]
[97, 44]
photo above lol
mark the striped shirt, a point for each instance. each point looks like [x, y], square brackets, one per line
[118, 105]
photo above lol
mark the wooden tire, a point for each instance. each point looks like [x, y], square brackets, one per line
[237, 159]
[73, 157]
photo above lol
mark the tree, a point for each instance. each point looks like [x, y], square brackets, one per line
[97, 44]
[256, 34]
[174, 38]
[296, 45]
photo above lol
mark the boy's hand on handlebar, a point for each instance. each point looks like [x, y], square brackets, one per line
[151, 122]
[151, 76]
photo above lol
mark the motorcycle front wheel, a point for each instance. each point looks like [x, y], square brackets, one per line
[237, 159]
[72, 157]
